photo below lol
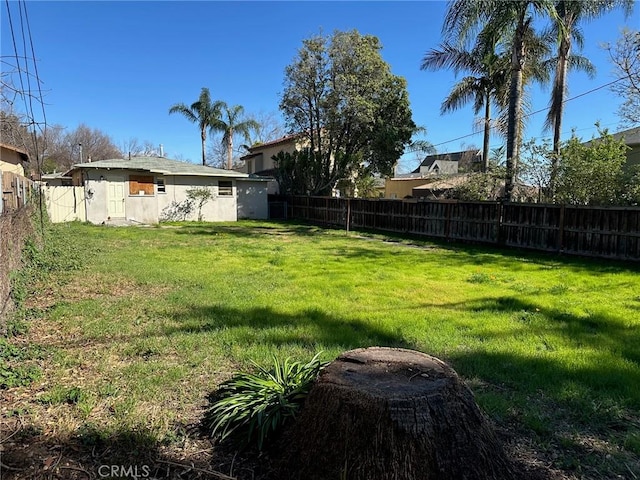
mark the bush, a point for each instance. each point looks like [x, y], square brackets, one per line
[248, 409]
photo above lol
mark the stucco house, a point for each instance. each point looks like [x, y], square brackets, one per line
[14, 187]
[631, 138]
[12, 159]
[259, 159]
[146, 189]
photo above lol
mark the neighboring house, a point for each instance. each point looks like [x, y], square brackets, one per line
[12, 159]
[259, 160]
[144, 189]
[632, 140]
[451, 163]
[439, 189]
[15, 188]
[402, 185]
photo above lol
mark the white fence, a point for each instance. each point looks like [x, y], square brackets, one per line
[65, 204]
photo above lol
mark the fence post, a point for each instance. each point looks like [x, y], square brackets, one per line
[561, 229]
[348, 213]
[447, 222]
[499, 221]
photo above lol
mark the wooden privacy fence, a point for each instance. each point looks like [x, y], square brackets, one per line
[610, 232]
[16, 191]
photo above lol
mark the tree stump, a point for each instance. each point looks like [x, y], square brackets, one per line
[390, 414]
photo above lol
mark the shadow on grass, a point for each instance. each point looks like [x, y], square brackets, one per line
[591, 330]
[455, 253]
[92, 453]
[249, 230]
[311, 327]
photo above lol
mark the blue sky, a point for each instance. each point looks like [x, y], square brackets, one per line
[119, 66]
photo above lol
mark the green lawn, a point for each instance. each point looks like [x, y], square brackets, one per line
[157, 316]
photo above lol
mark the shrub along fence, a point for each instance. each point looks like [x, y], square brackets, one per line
[609, 232]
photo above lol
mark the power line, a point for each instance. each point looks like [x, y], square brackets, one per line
[536, 112]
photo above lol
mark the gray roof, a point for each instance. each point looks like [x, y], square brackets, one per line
[160, 165]
[475, 155]
[631, 136]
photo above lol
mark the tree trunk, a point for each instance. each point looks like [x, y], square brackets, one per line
[558, 109]
[515, 110]
[383, 413]
[230, 149]
[203, 137]
[487, 133]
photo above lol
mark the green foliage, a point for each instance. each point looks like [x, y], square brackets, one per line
[41, 258]
[592, 174]
[481, 186]
[535, 166]
[249, 409]
[204, 112]
[342, 97]
[200, 196]
[59, 395]
[298, 173]
[16, 368]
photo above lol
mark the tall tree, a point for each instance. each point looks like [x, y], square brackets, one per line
[566, 30]
[342, 97]
[486, 84]
[625, 56]
[204, 112]
[231, 123]
[464, 18]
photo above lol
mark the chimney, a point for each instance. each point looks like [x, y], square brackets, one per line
[161, 150]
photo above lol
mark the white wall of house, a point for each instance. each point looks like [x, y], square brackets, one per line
[108, 197]
[220, 208]
[252, 199]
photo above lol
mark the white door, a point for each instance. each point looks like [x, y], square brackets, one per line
[115, 197]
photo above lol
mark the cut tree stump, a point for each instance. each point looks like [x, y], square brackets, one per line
[390, 414]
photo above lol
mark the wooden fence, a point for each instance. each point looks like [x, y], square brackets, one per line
[16, 191]
[609, 232]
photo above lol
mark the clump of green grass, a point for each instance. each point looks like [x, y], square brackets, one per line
[250, 408]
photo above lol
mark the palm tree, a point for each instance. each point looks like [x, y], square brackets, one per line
[565, 29]
[498, 18]
[204, 112]
[231, 125]
[487, 82]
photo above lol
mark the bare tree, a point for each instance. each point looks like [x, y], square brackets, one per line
[270, 127]
[136, 148]
[625, 56]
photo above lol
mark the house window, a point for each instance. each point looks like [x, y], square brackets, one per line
[225, 188]
[161, 186]
[141, 185]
